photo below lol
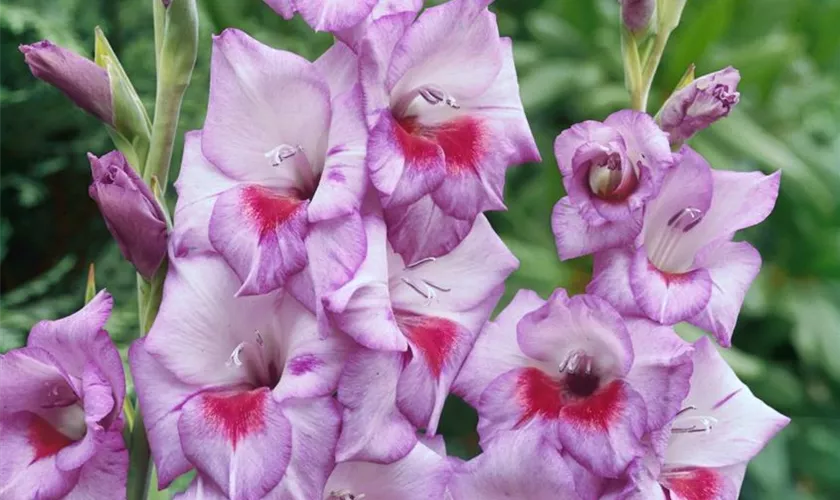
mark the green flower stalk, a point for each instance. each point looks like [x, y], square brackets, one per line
[177, 52]
[176, 49]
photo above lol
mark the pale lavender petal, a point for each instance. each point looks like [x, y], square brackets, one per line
[462, 278]
[344, 179]
[161, 395]
[517, 465]
[502, 104]
[261, 99]
[201, 323]
[104, 476]
[739, 423]
[442, 42]
[30, 378]
[324, 15]
[732, 268]
[661, 369]
[576, 237]
[315, 426]
[362, 307]
[668, 298]
[584, 323]
[313, 364]
[199, 184]
[423, 230]
[611, 280]
[496, 350]
[373, 430]
[420, 475]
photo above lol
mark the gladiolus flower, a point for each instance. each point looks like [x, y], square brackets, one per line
[685, 266]
[61, 412]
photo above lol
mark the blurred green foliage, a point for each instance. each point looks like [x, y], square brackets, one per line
[787, 344]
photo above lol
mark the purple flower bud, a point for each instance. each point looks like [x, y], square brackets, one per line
[85, 83]
[130, 211]
[699, 104]
[637, 14]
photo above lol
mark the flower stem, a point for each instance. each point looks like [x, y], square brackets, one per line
[165, 125]
[652, 64]
[149, 295]
[632, 69]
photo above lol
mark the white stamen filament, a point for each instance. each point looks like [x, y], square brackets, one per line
[253, 358]
[345, 495]
[694, 424]
[661, 249]
[432, 94]
[298, 160]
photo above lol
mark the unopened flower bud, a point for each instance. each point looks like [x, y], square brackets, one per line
[85, 83]
[636, 14]
[130, 210]
[699, 104]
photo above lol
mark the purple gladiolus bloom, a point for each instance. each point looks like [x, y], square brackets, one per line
[276, 177]
[61, 412]
[131, 213]
[445, 122]
[416, 322]
[703, 452]
[573, 370]
[610, 170]
[228, 383]
[701, 103]
[85, 83]
[685, 266]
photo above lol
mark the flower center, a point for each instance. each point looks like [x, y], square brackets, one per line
[424, 288]
[431, 94]
[344, 495]
[663, 249]
[580, 378]
[295, 157]
[606, 176]
[724, 96]
[252, 356]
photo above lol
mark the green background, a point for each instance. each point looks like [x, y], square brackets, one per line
[787, 343]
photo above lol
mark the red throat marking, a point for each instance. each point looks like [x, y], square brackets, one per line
[45, 439]
[542, 396]
[236, 414]
[695, 484]
[461, 140]
[434, 337]
[267, 208]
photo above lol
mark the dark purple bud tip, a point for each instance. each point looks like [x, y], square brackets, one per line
[636, 14]
[85, 83]
[131, 213]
